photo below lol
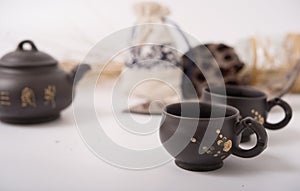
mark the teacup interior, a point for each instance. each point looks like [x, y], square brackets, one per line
[200, 110]
[237, 91]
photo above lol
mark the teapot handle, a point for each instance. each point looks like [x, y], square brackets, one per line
[32, 45]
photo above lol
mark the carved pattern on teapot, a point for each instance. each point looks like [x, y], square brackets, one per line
[4, 98]
[28, 97]
[49, 97]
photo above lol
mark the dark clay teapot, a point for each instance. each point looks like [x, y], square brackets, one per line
[33, 89]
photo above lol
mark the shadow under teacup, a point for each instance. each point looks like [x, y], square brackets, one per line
[201, 135]
[250, 102]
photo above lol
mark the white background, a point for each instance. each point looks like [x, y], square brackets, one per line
[68, 29]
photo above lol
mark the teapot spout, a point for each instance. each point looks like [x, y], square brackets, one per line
[78, 72]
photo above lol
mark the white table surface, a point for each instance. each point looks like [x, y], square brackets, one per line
[53, 156]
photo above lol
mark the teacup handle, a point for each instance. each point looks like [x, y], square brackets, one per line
[261, 134]
[287, 110]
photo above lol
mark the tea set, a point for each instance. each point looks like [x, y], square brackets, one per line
[33, 89]
[227, 125]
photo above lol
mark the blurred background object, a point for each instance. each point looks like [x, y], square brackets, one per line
[272, 61]
[152, 68]
[69, 29]
[210, 59]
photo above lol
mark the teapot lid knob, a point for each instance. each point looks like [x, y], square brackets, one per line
[24, 42]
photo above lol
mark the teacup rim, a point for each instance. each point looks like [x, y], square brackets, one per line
[264, 96]
[237, 112]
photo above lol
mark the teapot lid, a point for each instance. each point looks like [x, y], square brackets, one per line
[23, 57]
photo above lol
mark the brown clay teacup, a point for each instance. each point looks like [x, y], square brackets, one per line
[201, 135]
[250, 102]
